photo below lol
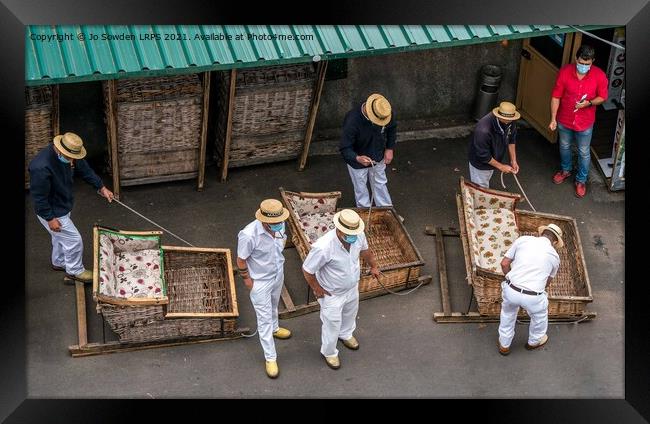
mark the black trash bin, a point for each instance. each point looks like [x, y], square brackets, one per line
[488, 91]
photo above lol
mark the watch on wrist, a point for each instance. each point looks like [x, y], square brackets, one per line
[590, 104]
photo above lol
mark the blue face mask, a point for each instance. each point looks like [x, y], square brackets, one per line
[582, 69]
[277, 227]
[63, 159]
[350, 238]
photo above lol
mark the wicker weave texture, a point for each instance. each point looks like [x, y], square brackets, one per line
[38, 122]
[159, 123]
[570, 279]
[177, 328]
[270, 114]
[197, 282]
[160, 88]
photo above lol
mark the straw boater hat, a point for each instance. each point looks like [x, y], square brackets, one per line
[506, 110]
[271, 211]
[378, 110]
[70, 145]
[557, 232]
[349, 222]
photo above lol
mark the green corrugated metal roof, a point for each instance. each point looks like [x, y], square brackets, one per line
[74, 53]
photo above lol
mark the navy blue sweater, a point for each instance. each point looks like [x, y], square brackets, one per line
[490, 140]
[362, 137]
[51, 183]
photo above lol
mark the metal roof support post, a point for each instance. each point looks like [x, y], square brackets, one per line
[318, 89]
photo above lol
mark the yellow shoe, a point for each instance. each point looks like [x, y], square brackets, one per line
[272, 369]
[332, 361]
[84, 277]
[282, 333]
[351, 343]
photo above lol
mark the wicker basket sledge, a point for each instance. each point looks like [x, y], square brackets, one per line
[270, 114]
[41, 121]
[569, 291]
[194, 293]
[158, 130]
[397, 257]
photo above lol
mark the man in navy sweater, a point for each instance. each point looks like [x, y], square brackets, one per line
[369, 137]
[51, 182]
[495, 133]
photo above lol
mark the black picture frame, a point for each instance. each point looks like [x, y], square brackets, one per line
[15, 14]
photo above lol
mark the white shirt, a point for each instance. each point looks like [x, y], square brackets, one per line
[534, 260]
[336, 269]
[261, 251]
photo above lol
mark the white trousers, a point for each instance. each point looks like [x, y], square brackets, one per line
[537, 308]
[265, 296]
[338, 313]
[480, 176]
[67, 246]
[378, 180]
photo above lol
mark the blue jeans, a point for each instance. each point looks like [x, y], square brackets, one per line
[583, 141]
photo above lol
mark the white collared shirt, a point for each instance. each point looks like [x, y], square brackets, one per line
[534, 260]
[336, 269]
[261, 251]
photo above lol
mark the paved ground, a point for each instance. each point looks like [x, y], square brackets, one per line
[403, 352]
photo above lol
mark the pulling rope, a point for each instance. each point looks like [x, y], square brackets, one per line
[159, 226]
[520, 189]
[372, 199]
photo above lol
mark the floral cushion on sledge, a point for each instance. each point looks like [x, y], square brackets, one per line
[138, 274]
[316, 224]
[492, 226]
[309, 205]
[130, 267]
[496, 230]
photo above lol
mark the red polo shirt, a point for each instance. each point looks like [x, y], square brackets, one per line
[569, 89]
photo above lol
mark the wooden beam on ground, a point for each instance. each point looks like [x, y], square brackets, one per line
[227, 141]
[475, 317]
[430, 230]
[313, 111]
[91, 349]
[442, 271]
[82, 330]
[204, 129]
[286, 299]
[314, 306]
[112, 135]
[159, 179]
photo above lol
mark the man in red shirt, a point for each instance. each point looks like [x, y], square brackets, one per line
[579, 88]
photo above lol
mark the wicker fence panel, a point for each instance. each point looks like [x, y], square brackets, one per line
[270, 114]
[38, 122]
[159, 124]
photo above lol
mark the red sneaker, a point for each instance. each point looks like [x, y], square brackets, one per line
[560, 176]
[581, 189]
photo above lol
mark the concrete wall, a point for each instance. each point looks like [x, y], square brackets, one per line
[423, 85]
